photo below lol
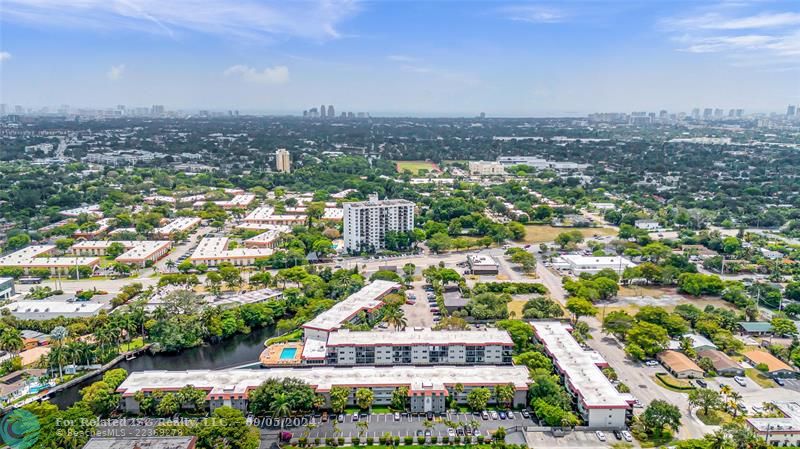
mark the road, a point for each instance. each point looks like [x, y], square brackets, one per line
[633, 374]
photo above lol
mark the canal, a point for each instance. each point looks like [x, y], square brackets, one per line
[235, 351]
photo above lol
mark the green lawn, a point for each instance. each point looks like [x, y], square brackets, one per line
[759, 378]
[415, 166]
[134, 344]
[714, 417]
[547, 233]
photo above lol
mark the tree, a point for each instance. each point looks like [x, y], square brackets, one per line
[100, 398]
[646, 340]
[364, 398]
[400, 398]
[580, 307]
[534, 360]
[618, 323]
[280, 407]
[660, 414]
[477, 398]
[783, 327]
[526, 259]
[541, 307]
[395, 317]
[114, 250]
[115, 377]
[339, 398]
[214, 283]
[227, 429]
[299, 396]
[504, 394]
[169, 405]
[705, 399]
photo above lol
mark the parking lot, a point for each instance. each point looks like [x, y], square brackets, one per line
[414, 425]
[575, 439]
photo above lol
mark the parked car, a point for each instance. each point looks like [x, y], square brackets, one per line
[651, 363]
[526, 414]
[618, 435]
[396, 416]
[450, 432]
[510, 414]
[324, 417]
[502, 414]
[427, 433]
[485, 415]
[460, 431]
[600, 435]
[340, 418]
[740, 380]
[468, 431]
[627, 436]
[429, 416]
[355, 417]
[701, 383]
[420, 433]
[494, 415]
[779, 381]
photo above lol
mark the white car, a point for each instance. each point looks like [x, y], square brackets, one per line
[627, 436]
[510, 414]
[600, 435]
[740, 380]
[494, 415]
[651, 363]
[450, 432]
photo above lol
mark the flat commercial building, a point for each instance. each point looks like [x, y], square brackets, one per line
[40, 256]
[592, 264]
[213, 251]
[599, 402]
[419, 347]
[483, 168]
[367, 222]
[180, 224]
[267, 239]
[482, 264]
[266, 215]
[238, 201]
[779, 431]
[137, 252]
[47, 309]
[429, 387]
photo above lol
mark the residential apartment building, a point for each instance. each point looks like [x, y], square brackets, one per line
[598, 401]
[483, 168]
[419, 347]
[282, 162]
[429, 387]
[367, 222]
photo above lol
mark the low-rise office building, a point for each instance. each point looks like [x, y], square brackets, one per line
[46, 309]
[42, 256]
[213, 251]
[180, 224]
[429, 387]
[266, 215]
[482, 264]
[679, 365]
[267, 239]
[137, 252]
[775, 366]
[723, 365]
[592, 264]
[599, 402]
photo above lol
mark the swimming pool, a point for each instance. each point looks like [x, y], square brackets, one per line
[288, 353]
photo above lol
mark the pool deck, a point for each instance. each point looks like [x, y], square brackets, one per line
[271, 356]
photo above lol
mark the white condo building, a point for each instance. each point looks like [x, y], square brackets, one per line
[282, 162]
[366, 222]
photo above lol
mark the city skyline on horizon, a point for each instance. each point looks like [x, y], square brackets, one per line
[507, 59]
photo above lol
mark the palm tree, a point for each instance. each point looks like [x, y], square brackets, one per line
[170, 264]
[280, 407]
[363, 426]
[396, 318]
[11, 340]
[717, 440]
[725, 390]
[58, 335]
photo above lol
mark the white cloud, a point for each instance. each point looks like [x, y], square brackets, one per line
[115, 72]
[402, 58]
[746, 38]
[270, 75]
[313, 19]
[4, 56]
[535, 14]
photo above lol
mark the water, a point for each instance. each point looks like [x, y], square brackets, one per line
[233, 352]
[288, 353]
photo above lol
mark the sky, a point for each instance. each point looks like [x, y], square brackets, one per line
[402, 57]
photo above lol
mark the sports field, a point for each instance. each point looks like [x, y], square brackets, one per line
[415, 166]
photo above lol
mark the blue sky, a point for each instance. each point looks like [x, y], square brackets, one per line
[443, 57]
